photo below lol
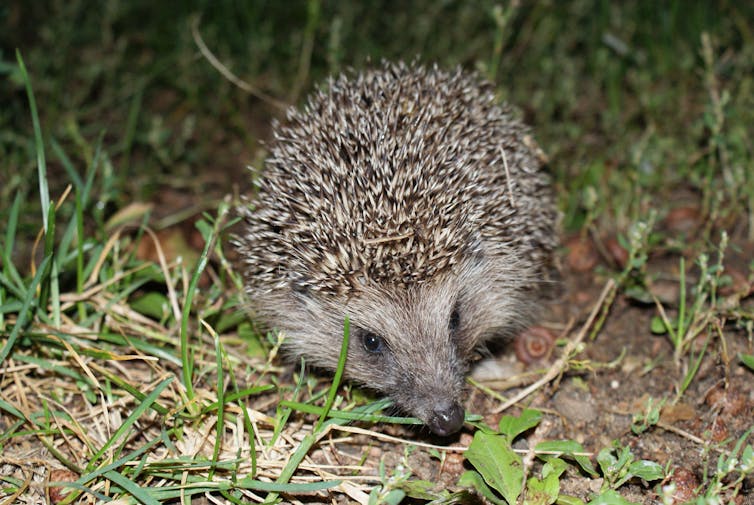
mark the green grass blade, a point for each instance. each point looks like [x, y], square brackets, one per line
[90, 174]
[73, 175]
[9, 271]
[23, 314]
[220, 390]
[131, 124]
[55, 293]
[10, 409]
[235, 396]
[309, 487]
[348, 416]
[201, 264]
[10, 429]
[282, 413]
[691, 373]
[238, 394]
[80, 253]
[138, 395]
[44, 191]
[134, 489]
[681, 331]
[53, 368]
[119, 462]
[308, 442]
[202, 486]
[45, 283]
[338, 374]
[187, 359]
[131, 419]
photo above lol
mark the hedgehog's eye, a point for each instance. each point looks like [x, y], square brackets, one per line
[455, 319]
[373, 343]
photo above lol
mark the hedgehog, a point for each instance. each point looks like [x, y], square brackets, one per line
[408, 199]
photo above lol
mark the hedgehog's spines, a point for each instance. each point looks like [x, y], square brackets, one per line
[421, 135]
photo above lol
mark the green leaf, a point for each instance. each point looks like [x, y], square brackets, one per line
[141, 494]
[555, 466]
[540, 492]
[748, 360]
[747, 459]
[501, 468]
[657, 326]
[394, 497]
[607, 460]
[569, 500]
[152, 304]
[229, 320]
[514, 426]
[422, 490]
[545, 491]
[647, 470]
[250, 336]
[567, 448]
[610, 497]
[638, 293]
[472, 479]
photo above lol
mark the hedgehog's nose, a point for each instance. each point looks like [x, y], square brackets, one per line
[447, 417]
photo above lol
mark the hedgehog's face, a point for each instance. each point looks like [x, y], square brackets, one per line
[413, 344]
[410, 346]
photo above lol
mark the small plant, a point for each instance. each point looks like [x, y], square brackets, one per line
[731, 471]
[619, 465]
[725, 483]
[695, 317]
[641, 422]
[391, 490]
[397, 485]
[499, 470]
[637, 243]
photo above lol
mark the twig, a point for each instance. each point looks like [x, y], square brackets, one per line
[562, 363]
[225, 71]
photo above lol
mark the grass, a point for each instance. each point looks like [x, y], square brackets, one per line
[128, 366]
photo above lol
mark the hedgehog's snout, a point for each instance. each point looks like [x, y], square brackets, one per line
[446, 418]
[429, 383]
